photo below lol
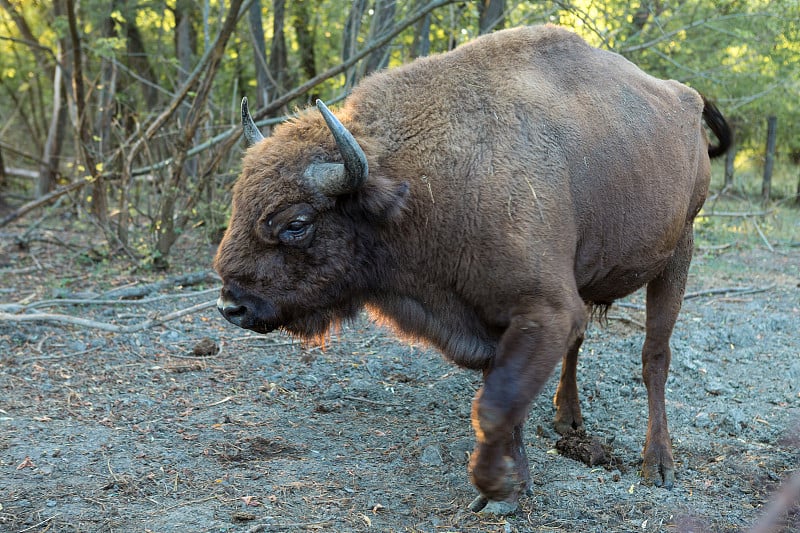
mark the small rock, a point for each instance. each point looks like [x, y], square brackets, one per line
[334, 392]
[702, 420]
[431, 456]
[171, 336]
[733, 422]
[716, 388]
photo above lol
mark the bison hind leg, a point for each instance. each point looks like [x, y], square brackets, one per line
[664, 297]
[568, 408]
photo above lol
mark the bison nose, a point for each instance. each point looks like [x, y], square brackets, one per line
[246, 311]
[233, 313]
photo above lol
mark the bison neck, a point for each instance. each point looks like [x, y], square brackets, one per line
[439, 319]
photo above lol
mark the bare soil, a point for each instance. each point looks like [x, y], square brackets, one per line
[197, 426]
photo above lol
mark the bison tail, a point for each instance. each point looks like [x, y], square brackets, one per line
[717, 124]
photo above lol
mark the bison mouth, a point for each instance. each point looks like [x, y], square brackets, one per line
[261, 316]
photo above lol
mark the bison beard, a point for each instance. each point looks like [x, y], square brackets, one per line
[482, 200]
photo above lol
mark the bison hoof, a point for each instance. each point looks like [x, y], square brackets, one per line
[658, 476]
[564, 427]
[484, 505]
[658, 467]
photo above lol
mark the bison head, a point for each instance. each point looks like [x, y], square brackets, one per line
[304, 236]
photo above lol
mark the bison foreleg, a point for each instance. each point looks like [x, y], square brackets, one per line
[568, 407]
[515, 472]
[664, 297]
[528, 351]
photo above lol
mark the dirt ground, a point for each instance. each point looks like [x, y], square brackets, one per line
[158, 431]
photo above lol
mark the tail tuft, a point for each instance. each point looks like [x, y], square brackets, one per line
[717, 123]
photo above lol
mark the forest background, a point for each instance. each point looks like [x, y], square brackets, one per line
[120, 118]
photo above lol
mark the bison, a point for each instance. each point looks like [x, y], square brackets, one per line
[484, 200]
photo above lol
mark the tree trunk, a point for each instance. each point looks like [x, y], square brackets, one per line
[106, 92]
[421, 45]
[350, 40]
[185, 38]
[138, 58]
[48, 168]
[259, 54]
[169, 222]
[491, 15]
[277, 52]
[304, 31]
[769, 161]
[186, 51]
[382, 21]
[99, 201]
[730, 158]
[797, 196]
[3, 184]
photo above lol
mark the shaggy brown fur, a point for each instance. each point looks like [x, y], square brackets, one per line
[511, 182]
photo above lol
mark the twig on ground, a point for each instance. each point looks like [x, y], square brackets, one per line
[629, 320]
[288, 525]
[105, 326]
[761, 233]
[63, 356]
[225, 399]
[43, 522]
[373, 402]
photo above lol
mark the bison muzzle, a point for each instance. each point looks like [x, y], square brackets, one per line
[482, 200]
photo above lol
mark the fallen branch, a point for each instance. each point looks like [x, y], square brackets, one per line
[186, 280]
[707, 292]
[735, 214]
[44, 200]
[727, 290]
[17, 308]
[714, 247]
[104, 326]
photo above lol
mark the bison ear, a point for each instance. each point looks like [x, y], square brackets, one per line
[382, 200]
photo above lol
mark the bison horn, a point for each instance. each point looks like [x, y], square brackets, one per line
[251, 132]
[335, 179]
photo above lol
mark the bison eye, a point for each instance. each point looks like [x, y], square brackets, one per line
[292, 225]
[295, 231]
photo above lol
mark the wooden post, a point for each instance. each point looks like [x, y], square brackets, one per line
[2, 171]
[730, 157]
[797, 197]
[769, 161]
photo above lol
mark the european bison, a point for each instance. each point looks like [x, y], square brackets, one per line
[482, 200]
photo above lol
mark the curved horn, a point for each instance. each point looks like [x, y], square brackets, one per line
[355, 161]
[251, 132]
